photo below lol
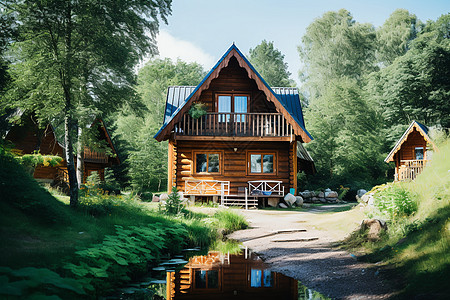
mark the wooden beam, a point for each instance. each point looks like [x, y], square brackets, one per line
[170, 167]
[235, 138]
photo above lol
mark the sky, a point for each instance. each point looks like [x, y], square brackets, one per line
[202, 30]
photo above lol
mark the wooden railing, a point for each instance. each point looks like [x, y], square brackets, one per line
[265, 188]
[235, 124]
[206, 187]
[96, 157]
[409, 169]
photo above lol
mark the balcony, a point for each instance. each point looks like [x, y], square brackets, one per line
[223, 126]
[409, 169]
[95, 157]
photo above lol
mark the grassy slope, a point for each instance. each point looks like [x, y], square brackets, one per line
[417, 249]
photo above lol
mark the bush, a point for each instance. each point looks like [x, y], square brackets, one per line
[146, 196]
[230, 220]
[392, 201]
[173, 203]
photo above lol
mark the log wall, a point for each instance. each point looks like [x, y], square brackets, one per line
[234, 163]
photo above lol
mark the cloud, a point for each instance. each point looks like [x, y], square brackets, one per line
[174, 48]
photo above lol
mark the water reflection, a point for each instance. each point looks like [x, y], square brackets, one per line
[224, 276]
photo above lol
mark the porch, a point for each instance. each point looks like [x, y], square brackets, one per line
[223, 125]
[409, 169]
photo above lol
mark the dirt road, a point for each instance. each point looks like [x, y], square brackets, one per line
[308, 256]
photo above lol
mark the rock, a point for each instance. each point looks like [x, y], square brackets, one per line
[323, 200]
[327, 190]
[306, 205]
[155, 198]
[321, 195]
[273, 202]
[282, 205]
[299, 201]
[332, 200]
[163, 197]
[289, 199]
[315, 199]
[375, 227]
[360, 193]
[331, 194]
[367, 199]
[306, 194]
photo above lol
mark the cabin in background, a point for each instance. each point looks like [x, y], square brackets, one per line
[248, 144]
[412, 152]
[29, 137]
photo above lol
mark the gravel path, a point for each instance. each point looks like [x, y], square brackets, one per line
[332, 272]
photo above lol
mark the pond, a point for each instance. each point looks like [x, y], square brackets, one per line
[218, 276]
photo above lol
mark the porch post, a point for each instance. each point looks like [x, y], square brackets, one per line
[246, 199]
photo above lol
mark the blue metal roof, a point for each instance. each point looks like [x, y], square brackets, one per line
[288, 97]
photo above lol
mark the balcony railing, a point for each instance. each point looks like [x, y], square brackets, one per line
[95, 157]
[409, 169]
[206, 187]
[235, 124]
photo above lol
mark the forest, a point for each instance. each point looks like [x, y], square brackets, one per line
[361, 85]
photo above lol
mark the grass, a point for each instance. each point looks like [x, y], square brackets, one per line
[416, 248]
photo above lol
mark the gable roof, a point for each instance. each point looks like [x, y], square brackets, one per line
[422, 129]
[286, 100]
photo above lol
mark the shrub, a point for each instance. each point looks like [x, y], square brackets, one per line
[197, 110]
[393, 201]
[230, 220]
[173, 203]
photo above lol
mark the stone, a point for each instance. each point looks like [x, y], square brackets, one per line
[163, 197]
[289, 199]
[273, 202]
[327, 190]
[155, 198]
[323, 200]
[315, 199]
[375, 227]
[331, 194]
[282, 205]
[332, 200]
[360, 192]
[367, 199]
[299, 201]
[306, 194]
[306, 205]
[321, 195]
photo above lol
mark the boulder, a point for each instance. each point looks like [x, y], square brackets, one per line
[323, 200]
[332, 200]
[360, 193]
[306, 205]
[321, 195]
[367, 199]
[155, 198]
[273, 202]
[282, 205]
[306, 194]
[289, 199]
[327, 190]
[375, 227]
[331, 194]
[315, 199]
[299, 201]
[163, 197]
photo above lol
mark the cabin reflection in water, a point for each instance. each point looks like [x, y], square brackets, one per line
[222, 276]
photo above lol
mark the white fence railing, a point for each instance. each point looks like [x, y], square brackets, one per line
[409, 169]
[206, 187]
[265, 188]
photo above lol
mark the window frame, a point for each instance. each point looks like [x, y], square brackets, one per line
[206, 289]
[232, 95]
[249, 281]
[262, 153]
[194, 162]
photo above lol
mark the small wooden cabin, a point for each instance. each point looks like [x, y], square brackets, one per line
[412, 152]
[29, 137]
[250, 138]
[222, 276]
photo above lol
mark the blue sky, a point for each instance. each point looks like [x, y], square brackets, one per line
[202, 30]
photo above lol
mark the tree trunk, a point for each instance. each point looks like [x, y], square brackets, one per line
[73, 185]
[80, 159]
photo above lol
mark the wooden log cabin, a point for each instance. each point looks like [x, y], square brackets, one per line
[28, 138]
[412, 152]
[249, 139]
[222, 276]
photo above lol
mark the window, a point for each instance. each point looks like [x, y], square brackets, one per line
[418, 153]
[206, 279]
[261, 163]
[207, 162]
[261, 278]
[232, 104]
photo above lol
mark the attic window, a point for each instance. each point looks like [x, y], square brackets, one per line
[418, 153]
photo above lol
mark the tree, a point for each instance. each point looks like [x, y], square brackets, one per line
[147, 158]
[416, 86]
[395, 36]
[76, 58]
[269, 62]
[336, 46]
